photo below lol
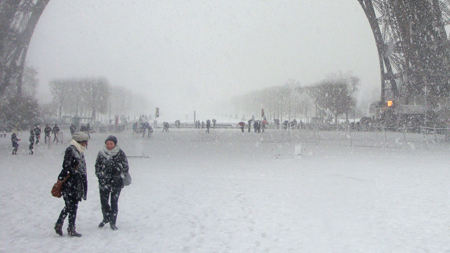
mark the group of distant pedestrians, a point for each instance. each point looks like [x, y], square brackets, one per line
[35, 136]
[147, 129]
[207, 124]
[258, 125]
[48, 130]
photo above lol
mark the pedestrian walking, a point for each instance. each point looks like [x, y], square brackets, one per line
[37, 132]
[31, 139]
[72, 129]
[145, 127]
[111, 168]
[165, 126]
[47, 131]
[15, 143]
[74, 189]
[242, 125]
[55, 133]
[208, 125]
[149, 131]
[255, 126]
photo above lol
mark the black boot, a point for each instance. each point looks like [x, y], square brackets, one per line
[106, 219]
[72, 232]
[103, 223]
[58, 229]
[112, 222]
[113, 226]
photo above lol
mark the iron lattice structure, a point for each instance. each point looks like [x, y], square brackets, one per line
[18, 18]
[413, 49]
[410, 36]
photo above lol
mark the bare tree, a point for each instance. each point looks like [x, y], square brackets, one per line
[335, 96]
[60, 90]
[96, 92]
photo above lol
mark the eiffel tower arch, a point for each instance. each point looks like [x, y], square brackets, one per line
[413, 49]
[18, 19]
[410, 36]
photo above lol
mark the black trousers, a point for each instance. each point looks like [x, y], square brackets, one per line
[109, 198]
[70, 209]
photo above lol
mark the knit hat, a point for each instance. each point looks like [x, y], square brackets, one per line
[112, 138]
[80, 137]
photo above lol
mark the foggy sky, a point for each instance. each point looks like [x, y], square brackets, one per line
[186, 55]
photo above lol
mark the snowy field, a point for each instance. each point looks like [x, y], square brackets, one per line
[241, 192]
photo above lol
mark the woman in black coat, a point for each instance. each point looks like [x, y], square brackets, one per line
[74, 188]
[111, 169]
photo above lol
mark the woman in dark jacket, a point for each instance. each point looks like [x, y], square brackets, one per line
[111, 169]
[74, 188]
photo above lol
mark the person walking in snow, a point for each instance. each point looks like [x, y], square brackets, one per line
[88, 130]
[37, 133]
[111, 168]
[208, 125]
[242, 125]
[47, 131]
[75, 187]
[31, 139]
[249, 125]
[72, 129]
[15, 143]
[55, 133]
[165, 126]
[263, 124]
[149, 131]
[255, 126]
[145, 127]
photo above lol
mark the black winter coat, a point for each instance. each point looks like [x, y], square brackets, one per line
[76, 185]
[31, 139]
[37, 130]
[110, 170]
[14, 140]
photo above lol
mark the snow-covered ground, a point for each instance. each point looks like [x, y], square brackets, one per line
[241, 192]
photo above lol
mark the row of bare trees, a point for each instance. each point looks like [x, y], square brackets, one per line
[335, 95]
[78, 96]
[332, 97]
[93, 97]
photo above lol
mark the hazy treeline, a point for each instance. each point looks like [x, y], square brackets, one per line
[330, 98]
[93, 97]
[86, 97]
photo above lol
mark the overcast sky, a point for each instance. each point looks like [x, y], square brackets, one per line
[184, 55]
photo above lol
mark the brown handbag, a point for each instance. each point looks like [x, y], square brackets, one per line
[56, 189]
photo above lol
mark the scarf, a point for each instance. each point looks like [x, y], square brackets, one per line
[108, 154]
[79, 147]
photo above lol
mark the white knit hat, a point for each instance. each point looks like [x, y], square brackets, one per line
[80, 137]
